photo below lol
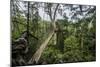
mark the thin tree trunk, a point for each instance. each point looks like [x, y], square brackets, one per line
[60, 41]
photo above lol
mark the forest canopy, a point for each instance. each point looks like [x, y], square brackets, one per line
[51, 33]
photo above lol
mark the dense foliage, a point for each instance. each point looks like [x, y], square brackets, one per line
[75, 38]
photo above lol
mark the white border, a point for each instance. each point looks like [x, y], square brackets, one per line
[4, 33]
[84, 2]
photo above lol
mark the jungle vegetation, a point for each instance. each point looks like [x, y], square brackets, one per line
[52, 33]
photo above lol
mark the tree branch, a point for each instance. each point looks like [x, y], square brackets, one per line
[54, 15]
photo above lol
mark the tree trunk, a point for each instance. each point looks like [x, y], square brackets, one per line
[59, 37]
[38, 53]
[60, 40]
